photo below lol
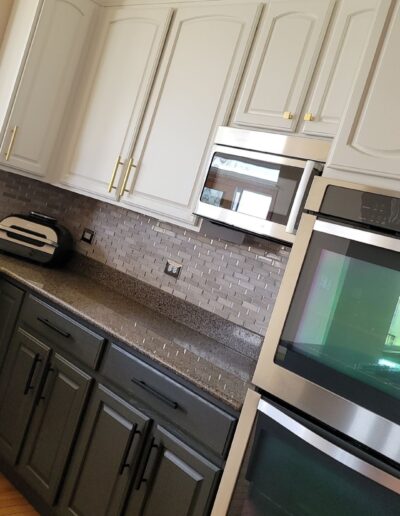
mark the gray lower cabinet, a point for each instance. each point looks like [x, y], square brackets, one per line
[175, 481]
[53, 427]
[10, 303]
[19, 386]
[106, 457]
[86, 451]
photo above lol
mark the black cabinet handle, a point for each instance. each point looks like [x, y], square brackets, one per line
[28, 385]
[135, 434]
[44, 384]
[149, 465]
[155, 393]
[50, 325]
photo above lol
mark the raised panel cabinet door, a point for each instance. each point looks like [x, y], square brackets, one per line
[38, 108]
[10, 303]
[282, 63]
[53, 427]
[19, 385]
[5, 10]
[14, 46]
[111, 98]
[368, 143]
[177, 481]
[105, 458]
[339, 64]
[203, 59]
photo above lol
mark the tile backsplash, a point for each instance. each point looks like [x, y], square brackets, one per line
[236, 282]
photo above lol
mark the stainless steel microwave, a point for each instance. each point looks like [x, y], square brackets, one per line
[258, 182]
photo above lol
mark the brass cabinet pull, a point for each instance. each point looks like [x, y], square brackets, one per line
[308, 117]
[11, 144]
[288, 115]
[111, 183]
[126, 177]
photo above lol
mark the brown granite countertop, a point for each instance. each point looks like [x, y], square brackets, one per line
[211, 366]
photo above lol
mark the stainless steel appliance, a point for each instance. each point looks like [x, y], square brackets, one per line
[332, 349]
[283, 464]
[323, 430]
[258, 182]
[36, 237]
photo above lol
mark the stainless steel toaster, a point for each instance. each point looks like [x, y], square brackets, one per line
[37, 237]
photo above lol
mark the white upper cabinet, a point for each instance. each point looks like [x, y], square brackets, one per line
[44, 86]
[203, 60]
[281, 66]
[17, 27]
[110, 100]
[367, 148]
[5, 11]
[342, 54]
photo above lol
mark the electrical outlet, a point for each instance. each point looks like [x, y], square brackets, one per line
[88, 235]
[173, 269]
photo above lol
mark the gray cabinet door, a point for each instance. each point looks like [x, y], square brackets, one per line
[19, 385]
[176, 480]
[10, 304]
[106, 457]
[53, 427]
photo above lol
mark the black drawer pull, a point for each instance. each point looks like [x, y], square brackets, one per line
[47, 323]
[156, 394]
[28, 385]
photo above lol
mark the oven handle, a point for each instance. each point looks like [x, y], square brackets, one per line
[298, 199]
[335, 452]
[358, 235]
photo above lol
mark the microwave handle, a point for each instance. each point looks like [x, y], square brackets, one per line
[298, 199]
[329, 448]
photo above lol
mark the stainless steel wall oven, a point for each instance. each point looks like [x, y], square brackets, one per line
[329, 370]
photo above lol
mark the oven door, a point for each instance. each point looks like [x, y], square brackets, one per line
[333, 345]
[257, 192]
[292, 467]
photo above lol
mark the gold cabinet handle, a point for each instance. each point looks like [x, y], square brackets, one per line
[126, 177]
[288, 115]
[11, 144]
[308, 117]
[114, 173]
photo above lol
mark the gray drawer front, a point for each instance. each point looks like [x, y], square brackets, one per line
[205, 422]
[61, 331]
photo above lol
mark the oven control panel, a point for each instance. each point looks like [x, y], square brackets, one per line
[367, 208]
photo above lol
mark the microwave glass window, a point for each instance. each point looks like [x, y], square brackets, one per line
[254, 204]
[251, 186]
[283, 475]
[343, 326]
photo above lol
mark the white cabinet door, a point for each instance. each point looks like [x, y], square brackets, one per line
[205, 55]
[45, 83]
[111, 99]
[339, 64]
[281, 66]
[368, 143]
[5, 11]
[19, 20]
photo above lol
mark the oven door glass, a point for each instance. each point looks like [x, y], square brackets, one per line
[342, 331]
[292, 470]
[253, 184]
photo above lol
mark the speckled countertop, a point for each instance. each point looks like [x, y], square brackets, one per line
[211, 366]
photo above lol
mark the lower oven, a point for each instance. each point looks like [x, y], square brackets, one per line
[283, 464]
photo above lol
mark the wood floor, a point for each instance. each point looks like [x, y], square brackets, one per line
[12, 503]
